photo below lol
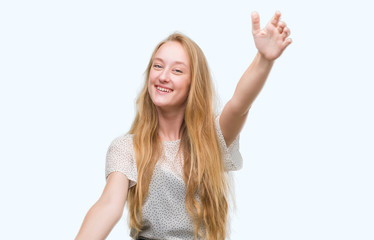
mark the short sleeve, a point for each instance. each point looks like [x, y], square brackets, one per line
[120, 158]
[231, 155]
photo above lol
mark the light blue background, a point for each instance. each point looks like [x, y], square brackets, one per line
[70, 72]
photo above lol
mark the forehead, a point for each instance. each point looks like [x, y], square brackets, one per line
[172, 52]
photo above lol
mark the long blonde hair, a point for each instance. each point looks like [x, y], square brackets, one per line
[203, 168]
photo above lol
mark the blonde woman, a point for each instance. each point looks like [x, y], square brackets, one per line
[171, 167]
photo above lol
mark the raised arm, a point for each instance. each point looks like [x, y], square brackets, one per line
[106, 212]
[270, 43]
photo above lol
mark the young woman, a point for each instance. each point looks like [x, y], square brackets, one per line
[171, 167]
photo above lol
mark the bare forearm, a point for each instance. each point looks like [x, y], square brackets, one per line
[99, 221]
[251, 83]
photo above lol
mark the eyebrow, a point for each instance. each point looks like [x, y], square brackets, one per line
[176, 62]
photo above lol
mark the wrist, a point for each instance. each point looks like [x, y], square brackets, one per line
[263, 60]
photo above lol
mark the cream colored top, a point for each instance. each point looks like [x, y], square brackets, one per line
[164, 214]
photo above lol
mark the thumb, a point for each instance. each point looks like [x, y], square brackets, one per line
[255, 23]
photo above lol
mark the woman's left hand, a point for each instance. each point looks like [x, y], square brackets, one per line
[273, 39]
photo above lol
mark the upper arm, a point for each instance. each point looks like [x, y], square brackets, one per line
[120, 158]
[115, 191]
[231, 121]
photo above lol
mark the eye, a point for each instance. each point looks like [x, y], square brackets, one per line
[178, 71]
[157, 66]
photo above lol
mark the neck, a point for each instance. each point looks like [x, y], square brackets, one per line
[170, 123]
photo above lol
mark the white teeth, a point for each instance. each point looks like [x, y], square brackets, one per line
[163, 89]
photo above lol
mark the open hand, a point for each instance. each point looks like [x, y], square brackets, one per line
[273, 39]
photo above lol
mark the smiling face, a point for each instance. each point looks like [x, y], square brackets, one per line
[170, 77]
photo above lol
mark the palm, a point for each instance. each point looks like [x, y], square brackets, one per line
[272, 40]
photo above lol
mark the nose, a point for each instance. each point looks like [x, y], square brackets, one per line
[164, 76]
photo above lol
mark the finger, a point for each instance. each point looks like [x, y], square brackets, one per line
[286, 32]
[284, 35]
[287, 42]
[282, 24]
[276, 18]
[255, 23]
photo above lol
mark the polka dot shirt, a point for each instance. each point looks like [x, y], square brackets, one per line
[164, 214]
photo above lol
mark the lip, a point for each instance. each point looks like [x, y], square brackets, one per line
[164, 87]
[161, 92]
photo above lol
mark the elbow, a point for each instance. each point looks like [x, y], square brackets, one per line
[113, 208]
[99, 221]
[116, 210]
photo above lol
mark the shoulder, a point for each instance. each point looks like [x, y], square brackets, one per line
[231, 154]
[120, 158]
[122, 139]
[218, 130]
[121, 147]
[122, 142]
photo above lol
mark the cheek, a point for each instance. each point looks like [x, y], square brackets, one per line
[153, 75]
[188, 85]
[186, 89]
[150, 84]
[151, 78]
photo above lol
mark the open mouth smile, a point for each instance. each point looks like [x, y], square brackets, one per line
[163, 90]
